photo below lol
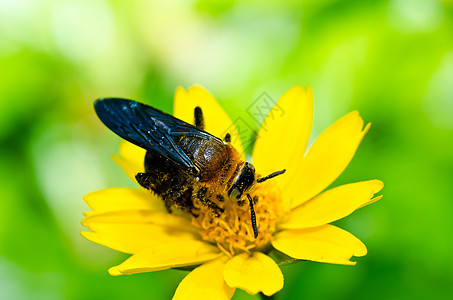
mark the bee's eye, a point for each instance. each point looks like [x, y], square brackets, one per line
[234, 194]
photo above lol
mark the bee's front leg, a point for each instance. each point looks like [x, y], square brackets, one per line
[203, 195]
[144, 180]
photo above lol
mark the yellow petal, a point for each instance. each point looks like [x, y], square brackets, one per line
[255, 273]
[147, 217]
[282, 139]
[371, 201]
[326, 159]
[131, 159]
[205, 283]
[325, 243]
[132, 238]
[133, 231]
[178, 253]
[217, 122]
[123, 199]
[333, 204]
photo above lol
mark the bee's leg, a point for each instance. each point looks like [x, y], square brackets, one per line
[241, 203]
[201, 195]
[144, 180]
[199, 119]
[168, 205]
[220, 198]
[227, 138]
[183, 198]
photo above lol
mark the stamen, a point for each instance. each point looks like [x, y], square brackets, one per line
[243, 248]
[231, 249]
[235, 230]
[250, 247]
[224, 250]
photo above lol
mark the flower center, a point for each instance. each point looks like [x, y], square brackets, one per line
[230, 226]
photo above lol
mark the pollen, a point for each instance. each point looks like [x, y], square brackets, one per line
[230, 227]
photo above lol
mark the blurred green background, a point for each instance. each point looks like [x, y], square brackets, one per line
[391, 60]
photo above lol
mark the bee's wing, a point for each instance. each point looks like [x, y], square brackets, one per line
[149, 128]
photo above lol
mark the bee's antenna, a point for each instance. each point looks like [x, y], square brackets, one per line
[252, 212]
[259, 180]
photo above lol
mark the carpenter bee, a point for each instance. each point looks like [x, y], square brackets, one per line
[183, 162]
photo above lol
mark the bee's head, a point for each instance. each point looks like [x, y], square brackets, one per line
[243, 182]
[242, 185]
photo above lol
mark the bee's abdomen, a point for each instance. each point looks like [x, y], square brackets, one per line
[167, 180]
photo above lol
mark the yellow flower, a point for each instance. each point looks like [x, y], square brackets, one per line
[293, 211]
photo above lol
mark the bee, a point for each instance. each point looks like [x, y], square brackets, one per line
[182, 162]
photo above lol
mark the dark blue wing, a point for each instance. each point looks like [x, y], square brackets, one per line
[149, 128]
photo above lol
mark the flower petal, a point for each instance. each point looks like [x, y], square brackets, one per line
[282, 140]
[326, 159]
[205, 283]
[131, 159]
[255, 273]
[147, 217]
[333, 204]
[371, 201]
[133, 231]
[132, 238]
[123, 199]
[177, 253]
[217, 122]
[326, 243]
